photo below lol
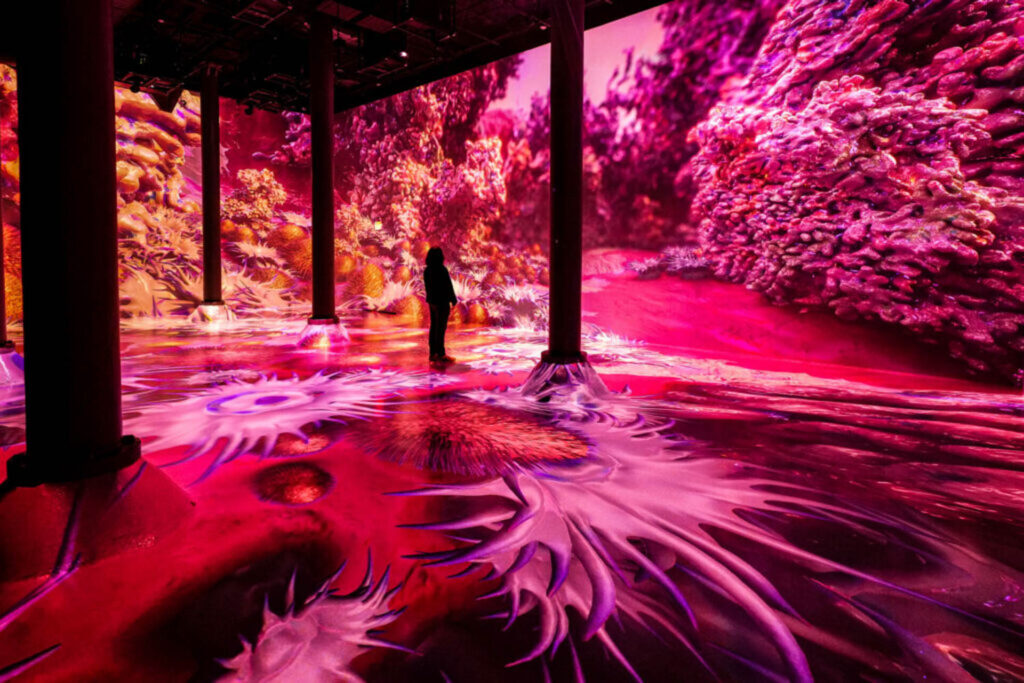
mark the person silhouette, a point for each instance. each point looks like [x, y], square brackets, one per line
[440, 298]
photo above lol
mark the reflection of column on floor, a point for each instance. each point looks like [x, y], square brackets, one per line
[564, 363]
[76, 456]
[212, 309]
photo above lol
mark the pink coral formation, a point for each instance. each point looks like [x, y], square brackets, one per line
[864, 157]
[871, 163]
[417, 163]
[255, 199]
[639, 132]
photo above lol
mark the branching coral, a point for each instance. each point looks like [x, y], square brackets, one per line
[256, 198]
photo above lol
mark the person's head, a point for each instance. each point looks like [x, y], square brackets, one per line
[435, 257]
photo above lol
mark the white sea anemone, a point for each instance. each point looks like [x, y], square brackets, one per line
[392, 293]
[466, 290]
[234, 418]
[318, 639]
[643, 512]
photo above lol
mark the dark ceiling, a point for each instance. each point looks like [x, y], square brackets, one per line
[383, 47]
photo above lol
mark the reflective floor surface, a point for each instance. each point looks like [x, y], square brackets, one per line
[360, 515]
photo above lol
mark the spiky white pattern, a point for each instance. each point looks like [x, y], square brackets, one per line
[317, 640]
[587, 536]
[466, 289]
[613, 347]
[680, 260]
[392, 293]
[522, 306]
[296, 218]
[569, 540]
[237, 417]
[412, 263]
[523, 293]
[254, 255]
[650, 267]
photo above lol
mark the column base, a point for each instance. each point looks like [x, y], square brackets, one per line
[561, 358]
[25, 471]
[52, 527]
[329, 320]
[12, 365]
[212, 312]
[564, 377]
[323, 333]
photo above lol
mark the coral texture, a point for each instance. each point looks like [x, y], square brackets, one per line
[871, 163]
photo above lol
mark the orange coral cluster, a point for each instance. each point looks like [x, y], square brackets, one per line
[151, 147]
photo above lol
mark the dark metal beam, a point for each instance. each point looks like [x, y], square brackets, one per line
[597, 14]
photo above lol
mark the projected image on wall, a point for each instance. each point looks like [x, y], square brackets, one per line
[738, 202]
[793, 451]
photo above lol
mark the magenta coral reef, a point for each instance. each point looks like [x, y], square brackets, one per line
[858, 157]
[871, 163]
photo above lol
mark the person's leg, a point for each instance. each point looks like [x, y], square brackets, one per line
[436, 335]
[443, 311]
[432, 335]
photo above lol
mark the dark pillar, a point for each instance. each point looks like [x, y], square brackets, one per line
[69, 245]
[321, 117]
[566, 181]
[210, 114]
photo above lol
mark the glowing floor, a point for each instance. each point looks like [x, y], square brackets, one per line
[708, 519]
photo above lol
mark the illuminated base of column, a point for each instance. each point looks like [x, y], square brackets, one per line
[111, 507]
[564, 378]
[324, 334]
[213, 312]
[12, 365]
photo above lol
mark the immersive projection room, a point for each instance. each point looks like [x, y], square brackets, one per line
[461, 341]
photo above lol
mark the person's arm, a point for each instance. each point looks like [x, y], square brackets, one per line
[451, 289]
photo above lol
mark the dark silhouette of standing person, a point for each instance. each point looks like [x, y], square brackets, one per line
[440, 298]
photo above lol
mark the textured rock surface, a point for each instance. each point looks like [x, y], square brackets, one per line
[872, 162]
